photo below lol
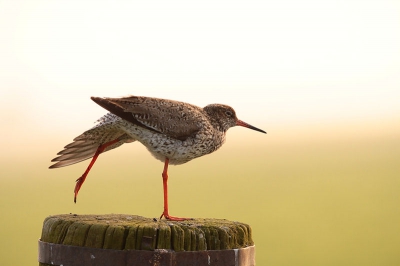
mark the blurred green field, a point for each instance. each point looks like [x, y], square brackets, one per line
[310, 201]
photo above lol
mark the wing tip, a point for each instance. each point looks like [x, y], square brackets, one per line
[95, 99]
[116, 109]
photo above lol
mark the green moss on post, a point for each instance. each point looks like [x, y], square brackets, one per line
[131, 232]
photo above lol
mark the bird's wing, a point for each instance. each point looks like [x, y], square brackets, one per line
[85, 145]
[176, 119]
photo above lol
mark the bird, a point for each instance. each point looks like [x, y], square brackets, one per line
[173, 132]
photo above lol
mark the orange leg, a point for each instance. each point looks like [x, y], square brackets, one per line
[81, 179]
[165, 186]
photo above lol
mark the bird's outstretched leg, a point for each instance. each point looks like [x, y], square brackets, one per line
[81, 179]
[165, 186]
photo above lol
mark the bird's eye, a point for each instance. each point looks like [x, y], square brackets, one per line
[228, 113]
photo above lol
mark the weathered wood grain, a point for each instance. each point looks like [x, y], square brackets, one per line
[131, 232]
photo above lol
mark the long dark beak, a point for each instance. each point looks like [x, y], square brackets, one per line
[244, 124]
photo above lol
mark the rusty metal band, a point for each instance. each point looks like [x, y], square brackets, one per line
[57, 254]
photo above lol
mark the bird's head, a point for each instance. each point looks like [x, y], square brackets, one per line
[225, 117]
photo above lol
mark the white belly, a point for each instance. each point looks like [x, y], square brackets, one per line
[177, 151]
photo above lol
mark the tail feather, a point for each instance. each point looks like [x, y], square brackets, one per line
[81, 137]
[77, 143]
[69, 162]
[88, 153]
[75, 150]
[85, 145]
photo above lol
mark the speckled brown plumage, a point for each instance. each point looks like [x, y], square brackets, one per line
[174, 132]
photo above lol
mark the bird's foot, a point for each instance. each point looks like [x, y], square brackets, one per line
[173, 218]
[78, 185]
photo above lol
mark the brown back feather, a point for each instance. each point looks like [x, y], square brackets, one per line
[176, 119]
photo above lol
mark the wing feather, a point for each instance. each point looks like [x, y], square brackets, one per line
[85, 145]
[176, 119]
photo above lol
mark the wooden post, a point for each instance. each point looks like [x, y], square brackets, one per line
[122, 240]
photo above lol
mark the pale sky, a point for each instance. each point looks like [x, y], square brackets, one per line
[319, 72]
[275, 62]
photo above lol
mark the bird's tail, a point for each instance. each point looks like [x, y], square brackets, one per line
[85, 145]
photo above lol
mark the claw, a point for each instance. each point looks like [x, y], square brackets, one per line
[81, 179]
[78, 185]
[173, 218]
[165, 188]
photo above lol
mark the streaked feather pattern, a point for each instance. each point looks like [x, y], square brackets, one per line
[85, 145]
